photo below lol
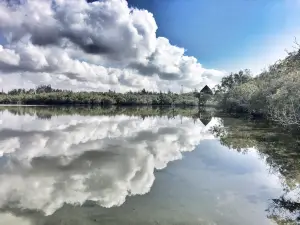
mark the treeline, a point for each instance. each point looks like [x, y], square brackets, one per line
[46, 95]
[274, 94]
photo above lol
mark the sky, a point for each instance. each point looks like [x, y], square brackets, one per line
[228, 36]
[130, 45]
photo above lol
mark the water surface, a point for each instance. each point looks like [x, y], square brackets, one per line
[122, 168]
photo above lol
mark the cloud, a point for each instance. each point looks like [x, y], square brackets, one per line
[10, 219]
[71, 159]
[97, 45]
[102, 27]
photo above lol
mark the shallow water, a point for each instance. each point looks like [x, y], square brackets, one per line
[100, 169]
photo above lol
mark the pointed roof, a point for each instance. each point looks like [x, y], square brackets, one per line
[205, 120]
[206, 90]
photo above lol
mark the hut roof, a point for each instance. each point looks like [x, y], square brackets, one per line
[206, 90]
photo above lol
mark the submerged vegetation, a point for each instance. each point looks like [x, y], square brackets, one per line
[279, 149]
[274, 94]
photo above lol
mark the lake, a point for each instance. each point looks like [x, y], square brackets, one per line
[144, 166]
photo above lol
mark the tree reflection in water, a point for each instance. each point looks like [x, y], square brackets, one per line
[281, 150]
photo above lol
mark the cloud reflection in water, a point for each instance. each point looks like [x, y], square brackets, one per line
[71, 159]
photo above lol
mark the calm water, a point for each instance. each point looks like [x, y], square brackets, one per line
[58, 168]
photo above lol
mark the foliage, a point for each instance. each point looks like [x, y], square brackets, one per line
[46, 95]
[273, 94]
[234, 79]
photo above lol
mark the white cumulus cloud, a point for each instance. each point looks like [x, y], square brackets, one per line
[85, 46]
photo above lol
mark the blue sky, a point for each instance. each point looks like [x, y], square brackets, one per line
[228, 34]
